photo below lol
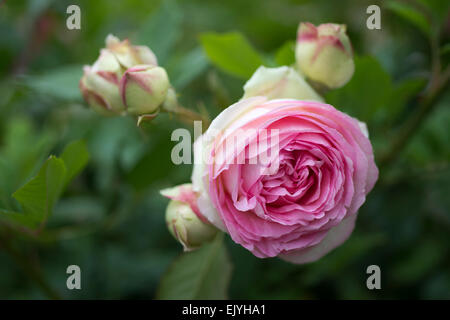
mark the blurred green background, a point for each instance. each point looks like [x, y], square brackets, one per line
[110, 219]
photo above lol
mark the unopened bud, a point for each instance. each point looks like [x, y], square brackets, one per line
[324, 54]
[183, 219]
[143, 89]
[100, 85]
[279, 83]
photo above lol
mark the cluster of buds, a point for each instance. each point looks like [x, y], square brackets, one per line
[184, 220]
[324, 54]
[126, 79]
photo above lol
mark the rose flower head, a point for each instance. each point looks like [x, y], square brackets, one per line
[283, 177]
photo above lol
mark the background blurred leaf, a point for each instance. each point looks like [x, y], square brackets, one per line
[60, 83]
[75, 157]
[438, 8]
[426, 147]
[366, 92]
[411, 14]
[418, 263]
[232, 53]
[400, 95]
[200, 274]
[285, 55]
[161, 30]
[339, 259]
[187, 67]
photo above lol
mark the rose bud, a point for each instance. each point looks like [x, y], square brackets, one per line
[143, 89]
[100, 85]
[184, 220]
[129, 55]
[100, 82]
[281, 82]
[324, 54]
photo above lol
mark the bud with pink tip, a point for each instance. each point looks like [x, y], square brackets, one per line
[143, 89]
[324, 54]
[100, 84]
[126, 79]
[184, 220]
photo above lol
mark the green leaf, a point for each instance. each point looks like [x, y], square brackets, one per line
[438, 8]
[411, 14]
[162, 30]
[18, 218]
[39, 195]
[401, 94]
[285, 55]
[232, 53]
[367, 91]
[75, 157]
[21, 156]
[61, 83]
[416, 264]
[200, 274]
[187, 67]
[445, 49]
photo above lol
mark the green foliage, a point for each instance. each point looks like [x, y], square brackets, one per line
[185, 68]
[21, 153]
[371, 96]
[366, 92]
[66, 79]
[285, 55]
[38, 196]
[232, 53]
[167, 18]
[201, 274]
[410, 14]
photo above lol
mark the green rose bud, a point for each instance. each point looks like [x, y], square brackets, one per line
[278, 83]
[126, 79]
[183, 219]
[100, 85]
[143, 89]
[324, 54]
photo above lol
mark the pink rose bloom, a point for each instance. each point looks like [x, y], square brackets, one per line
[302, 200]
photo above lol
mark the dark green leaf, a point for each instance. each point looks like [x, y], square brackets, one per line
[200, 274]
[401, 94]
[367, 91]
[418, 262]
[411, 14]
[39, 195]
